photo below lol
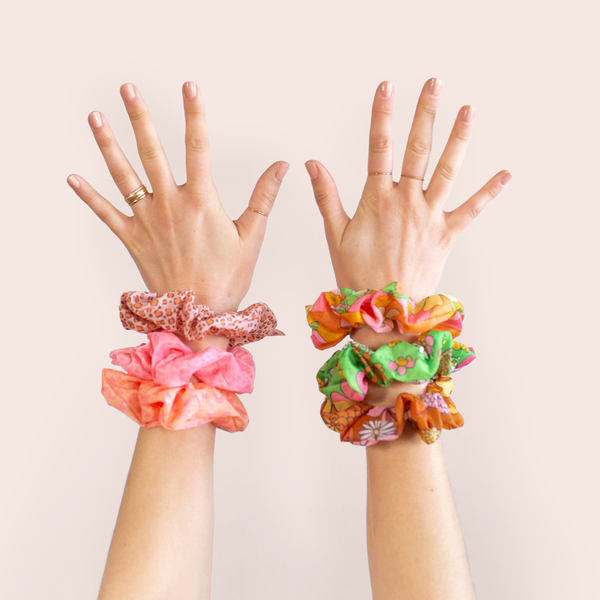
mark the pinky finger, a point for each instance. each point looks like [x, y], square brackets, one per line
[117, 222]
[458, 219]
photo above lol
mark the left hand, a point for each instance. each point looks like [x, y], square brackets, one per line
[179, 235]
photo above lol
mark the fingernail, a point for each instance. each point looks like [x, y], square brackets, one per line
[190, 89]
[282, 169]
[435, 87]
[72, 181]
[505, 178]
[312, 170]
[386, 89]
[96, 120]
[468, 114]
[128, 93]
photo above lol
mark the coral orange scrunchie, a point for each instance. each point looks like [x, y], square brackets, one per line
[175, 311]
[157, 391]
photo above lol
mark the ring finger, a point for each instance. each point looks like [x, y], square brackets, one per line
[119, 167]
[447, 168]
[150, 149]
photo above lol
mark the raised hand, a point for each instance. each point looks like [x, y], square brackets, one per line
[179, 235]
[400, 231]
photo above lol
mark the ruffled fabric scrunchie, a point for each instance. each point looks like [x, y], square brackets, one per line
[347, 373]
[175, 311]
[363, 424]
[157, 390]
[336, 313]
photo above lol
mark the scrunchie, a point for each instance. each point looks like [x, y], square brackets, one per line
[363, 424]
[156, 391]
[175, 311]
[347, 373]
[165, 359]
[336, 313]
[153, 405]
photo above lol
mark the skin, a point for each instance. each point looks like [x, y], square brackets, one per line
[180, 238]
[400, 232]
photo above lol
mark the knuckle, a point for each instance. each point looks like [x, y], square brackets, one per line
[461, 134]
[427, 108]
[448, 171]
[383, 110]
[149, 153]
[137, 114]
[475, 210]
[419, 147]
[121, 178]
[197, 143]
[380, 144]
[268, 195]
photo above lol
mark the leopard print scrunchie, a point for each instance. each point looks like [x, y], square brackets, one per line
[175, 311]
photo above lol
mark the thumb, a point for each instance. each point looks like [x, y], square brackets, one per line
[328, 200]
[252, 223]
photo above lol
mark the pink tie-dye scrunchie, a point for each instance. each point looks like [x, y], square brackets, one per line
[175, 311]
[157, 390]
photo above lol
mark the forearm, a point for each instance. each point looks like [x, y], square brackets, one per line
[163, 539]
[414, 540]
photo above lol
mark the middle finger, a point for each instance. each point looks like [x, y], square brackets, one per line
[418, 147]
[150, 149]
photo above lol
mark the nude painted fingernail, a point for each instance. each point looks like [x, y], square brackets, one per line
[468, 114]
[96, 120]
[190, 89]
[73, 181]
[312, 170]
[282, 169]
[506, 178]
[128, 93]
[386, 89]
[435, 87]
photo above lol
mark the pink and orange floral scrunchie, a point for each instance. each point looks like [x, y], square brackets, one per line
[336, 313]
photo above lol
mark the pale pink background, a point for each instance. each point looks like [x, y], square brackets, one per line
[295, 81]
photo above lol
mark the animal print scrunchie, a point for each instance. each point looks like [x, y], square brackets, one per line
[176, 311]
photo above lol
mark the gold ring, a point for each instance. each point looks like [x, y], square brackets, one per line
[379, 173]
[411, 177]
[136, 196]
[258, 211]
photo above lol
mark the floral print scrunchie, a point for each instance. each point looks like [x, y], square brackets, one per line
[363, 424]
[336, 313]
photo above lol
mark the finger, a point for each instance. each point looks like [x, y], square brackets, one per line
[252, 223]
[447, 168]
[197, 154]
[150, 149]
[460, 217]
[420, 137]
[381, 135]
[119, 167]
[117, 222]
[328, 200]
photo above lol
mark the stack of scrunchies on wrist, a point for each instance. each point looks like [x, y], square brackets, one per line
[156, 390]
[345, 377]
